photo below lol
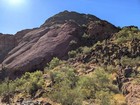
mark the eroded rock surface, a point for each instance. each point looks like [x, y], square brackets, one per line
[132, 94]
[7, 43]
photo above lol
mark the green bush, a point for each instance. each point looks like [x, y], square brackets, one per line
[86, 50]
[127, 34]
[87, 40]
[87, 87]
[72, 54]
[53, 63]
[65, 90]
[34, 81]
[70, 89]
[111, 69]
[73, 44]
[98, 22]
[101, 78]
[29, 83]
[6, 87]
[67, 96]
[125, 61]
[103, 98]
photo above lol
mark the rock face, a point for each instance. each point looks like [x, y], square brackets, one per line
[100, 30]
[31, 49]
[133, 94]
[7, 43]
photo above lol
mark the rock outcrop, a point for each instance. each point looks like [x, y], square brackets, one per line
[62, 17]
[132, 93]
[7, 43]
[31, 49]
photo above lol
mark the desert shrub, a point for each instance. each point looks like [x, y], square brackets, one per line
[70, 89]
[65, 74]
[130, 61]
[119, 99]
[101, 78]
[127, 34]
[87, 87]
[98, 44]
[34, 81]
[67, 96]
[103, 98]
[53, 63]
[98, 22]
[87, 40]
[111, 69]
[90, 85]
[79, 50]
[29, 83]
[7, 87]
[104, 89]
[85, 36]
[65, 90]
[103, 82]
[73, 44]
[99, 87]
[86, 50]
[72, 54]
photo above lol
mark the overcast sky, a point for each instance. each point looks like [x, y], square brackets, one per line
[16, 15]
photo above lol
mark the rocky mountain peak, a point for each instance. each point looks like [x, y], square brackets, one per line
[62, 17]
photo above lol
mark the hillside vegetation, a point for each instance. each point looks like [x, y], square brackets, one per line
[105, 72]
